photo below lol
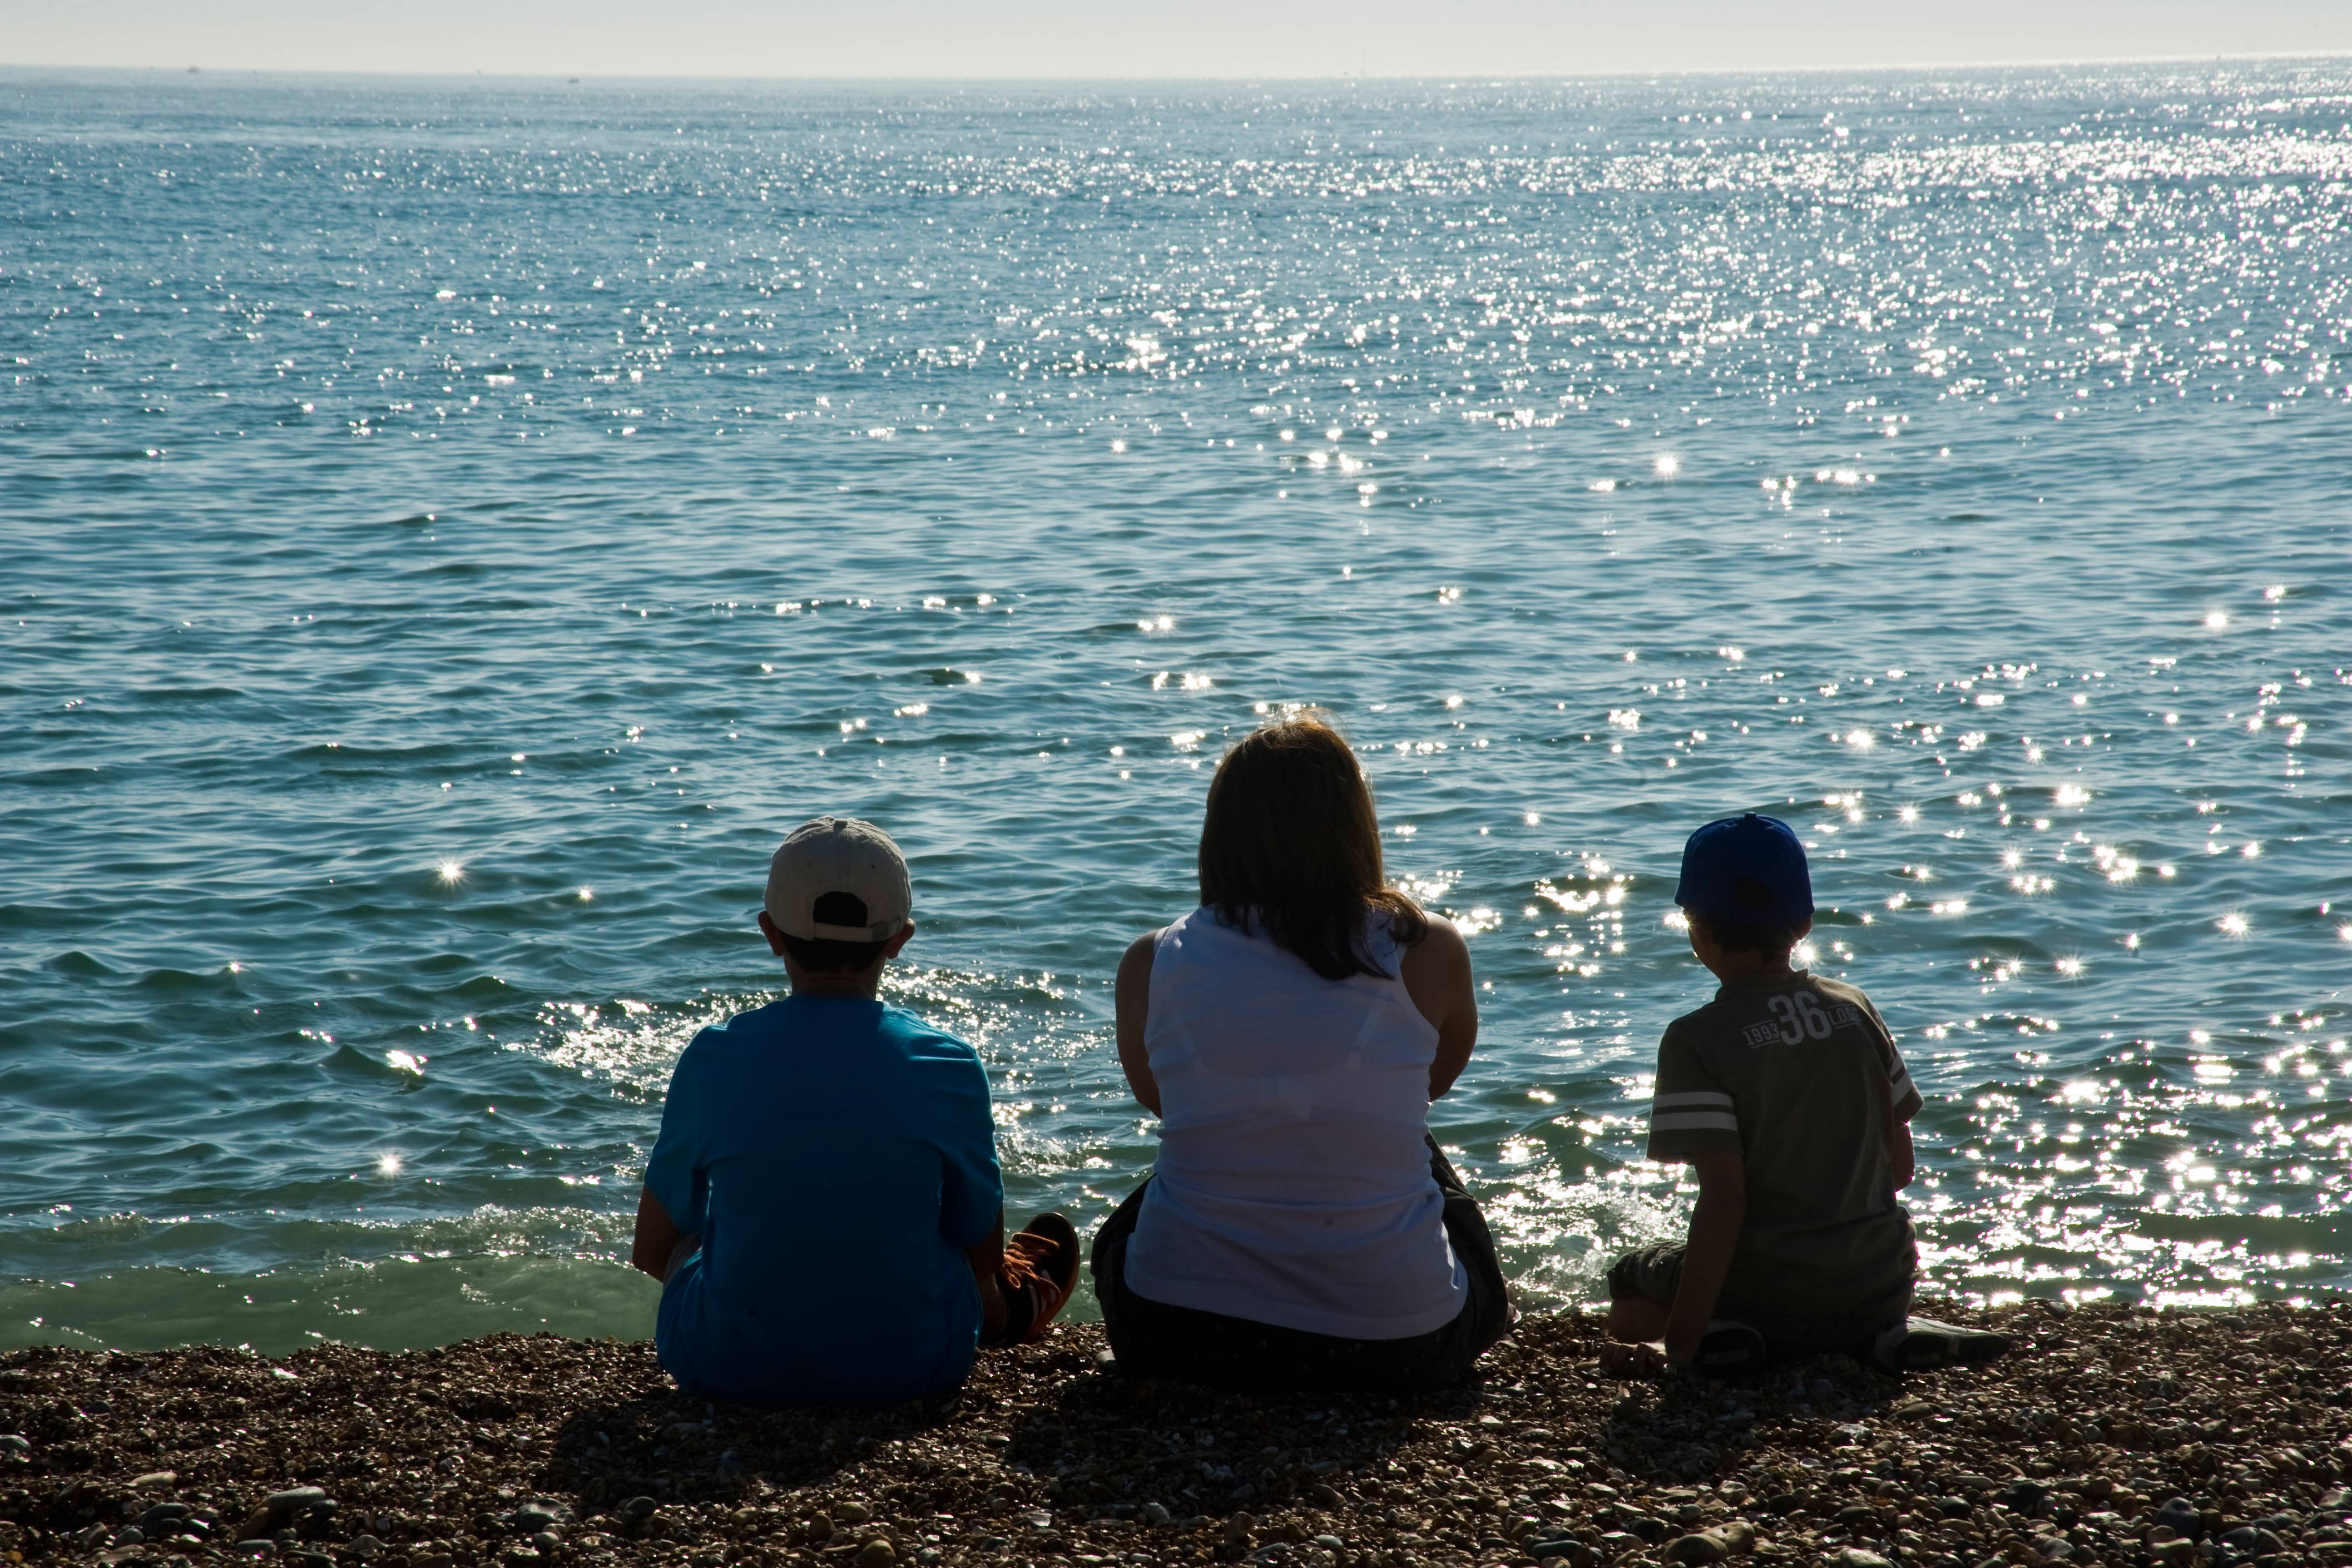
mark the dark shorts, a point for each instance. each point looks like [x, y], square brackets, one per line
[1153, 1338]
[1655, 1272]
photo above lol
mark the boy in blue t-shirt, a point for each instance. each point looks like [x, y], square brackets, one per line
[822, 1205]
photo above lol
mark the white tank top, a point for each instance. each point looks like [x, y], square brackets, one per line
[1293, 1185]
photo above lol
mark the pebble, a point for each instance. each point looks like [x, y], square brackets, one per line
[295, 1500]
[1695, 1551]
[163, 1513]
[2182, 1517]
[1855, 1557]
[878, 1555]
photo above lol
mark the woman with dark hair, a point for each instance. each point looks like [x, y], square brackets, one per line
[1301, 1228]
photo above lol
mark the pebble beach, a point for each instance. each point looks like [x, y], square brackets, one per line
[2110, 1436]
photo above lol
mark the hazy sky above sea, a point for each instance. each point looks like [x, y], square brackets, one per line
[1117, 38]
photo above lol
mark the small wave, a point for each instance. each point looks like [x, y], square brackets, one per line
[220, 982]
[157, 695]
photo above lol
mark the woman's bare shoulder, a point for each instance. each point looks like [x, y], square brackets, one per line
[1136, 959]
[1439, 944]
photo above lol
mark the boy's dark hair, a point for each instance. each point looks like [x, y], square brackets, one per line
[829, 956]
[1738, 936]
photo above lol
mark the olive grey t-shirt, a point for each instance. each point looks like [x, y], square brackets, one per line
[1800, 1078]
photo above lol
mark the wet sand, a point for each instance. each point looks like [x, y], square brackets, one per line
[2109, 1436]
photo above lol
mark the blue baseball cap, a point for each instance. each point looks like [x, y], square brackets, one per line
[1747, 871]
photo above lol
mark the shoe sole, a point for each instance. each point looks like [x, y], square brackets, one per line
[1068, 1255]
[1729, 1352]
[1930, 1350]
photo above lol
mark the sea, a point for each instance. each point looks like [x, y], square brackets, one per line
[451, 529]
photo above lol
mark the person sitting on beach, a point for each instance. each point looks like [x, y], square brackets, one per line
[1301, 1228]
[823, 1206]
[1788, 1096]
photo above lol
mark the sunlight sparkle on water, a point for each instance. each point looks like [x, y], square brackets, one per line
[1972, 917]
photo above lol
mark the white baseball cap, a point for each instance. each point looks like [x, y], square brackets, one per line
[839, 855]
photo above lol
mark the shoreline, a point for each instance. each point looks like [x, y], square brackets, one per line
[527, 1451]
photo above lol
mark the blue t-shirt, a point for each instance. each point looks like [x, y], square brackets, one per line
[836, 1155]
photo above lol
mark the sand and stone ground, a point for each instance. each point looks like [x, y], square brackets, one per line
[2110, 1436]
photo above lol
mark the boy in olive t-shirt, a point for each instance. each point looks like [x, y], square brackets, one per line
[1788, 1096]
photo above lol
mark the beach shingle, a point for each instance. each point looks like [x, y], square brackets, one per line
[2111, 1436]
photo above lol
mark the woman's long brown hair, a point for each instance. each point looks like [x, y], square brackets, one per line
[1291, 845]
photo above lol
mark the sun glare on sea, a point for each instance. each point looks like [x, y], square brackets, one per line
[450, 872]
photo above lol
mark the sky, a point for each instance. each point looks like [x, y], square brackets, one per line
[1031, 39]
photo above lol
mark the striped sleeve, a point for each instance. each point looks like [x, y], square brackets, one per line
[1906, 1093]
[1689, 1114]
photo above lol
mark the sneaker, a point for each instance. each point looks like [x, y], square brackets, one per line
[1039, 1271]
[1923, 1344]
[1729, 1349]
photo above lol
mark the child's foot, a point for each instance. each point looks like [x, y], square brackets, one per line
[1923, 1344]
[1040, 1268]
[1728, 1349]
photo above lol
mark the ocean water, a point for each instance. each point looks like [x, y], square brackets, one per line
[451, 530]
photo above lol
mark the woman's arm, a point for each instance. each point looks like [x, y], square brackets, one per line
[1436, 971]
[1132, 998]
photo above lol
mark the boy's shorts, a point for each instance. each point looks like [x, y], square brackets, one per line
[1655, 1272]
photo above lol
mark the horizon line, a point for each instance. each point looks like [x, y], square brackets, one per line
[584, 77]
